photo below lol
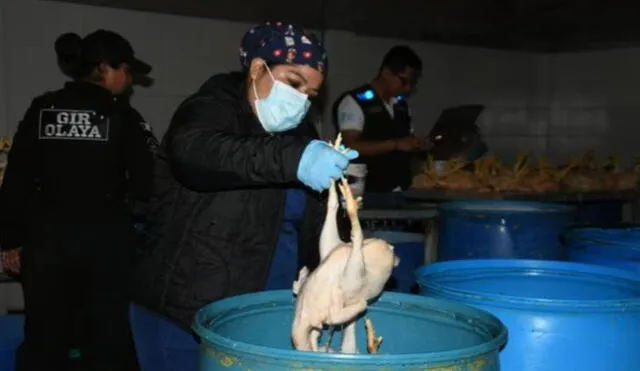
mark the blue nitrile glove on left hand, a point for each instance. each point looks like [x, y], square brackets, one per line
[320, 164]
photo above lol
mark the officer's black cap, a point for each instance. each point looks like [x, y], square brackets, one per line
[111, 47]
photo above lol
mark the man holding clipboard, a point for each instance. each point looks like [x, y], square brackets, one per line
[375, 120]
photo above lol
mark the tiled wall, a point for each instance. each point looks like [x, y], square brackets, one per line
[595, 101]
[560, 104]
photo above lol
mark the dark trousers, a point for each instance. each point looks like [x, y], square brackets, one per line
[62, 272]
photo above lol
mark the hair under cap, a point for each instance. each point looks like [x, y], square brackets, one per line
[101, 46]
[282, 43]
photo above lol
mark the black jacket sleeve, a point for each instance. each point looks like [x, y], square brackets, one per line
[18, 185]
[139, 161]
[208, 155]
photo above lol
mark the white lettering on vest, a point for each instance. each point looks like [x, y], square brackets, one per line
[73, 125]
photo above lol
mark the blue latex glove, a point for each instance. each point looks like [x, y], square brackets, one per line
[321, 163]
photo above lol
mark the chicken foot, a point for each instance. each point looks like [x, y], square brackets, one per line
[373, 342]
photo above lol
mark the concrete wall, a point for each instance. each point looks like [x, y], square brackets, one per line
[555, 104]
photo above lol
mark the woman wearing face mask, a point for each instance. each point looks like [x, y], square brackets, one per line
[240, 173]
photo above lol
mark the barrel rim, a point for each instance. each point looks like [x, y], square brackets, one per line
[488, 319]
[460, 206]
[426, 272]
[600, 245]
[573, 233]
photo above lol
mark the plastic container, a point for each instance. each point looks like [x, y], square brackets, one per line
[160, 344]
[252, 332]
[561, 316]
[410, 249]
[613, 246]
[11, 335]
[502, 229]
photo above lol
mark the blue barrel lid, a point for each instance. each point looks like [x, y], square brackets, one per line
[528, 284]
[441, 312]
[501, 207]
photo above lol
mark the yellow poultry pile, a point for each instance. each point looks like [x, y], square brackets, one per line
[488, 174]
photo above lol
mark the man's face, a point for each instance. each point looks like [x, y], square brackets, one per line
[403, 82]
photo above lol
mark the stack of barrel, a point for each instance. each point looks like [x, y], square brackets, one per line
[568, 297]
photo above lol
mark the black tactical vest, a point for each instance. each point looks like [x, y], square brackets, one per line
[390, 170]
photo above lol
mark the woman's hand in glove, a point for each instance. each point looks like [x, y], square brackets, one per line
[321, 163]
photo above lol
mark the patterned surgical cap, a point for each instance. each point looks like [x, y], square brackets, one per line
[282, 43]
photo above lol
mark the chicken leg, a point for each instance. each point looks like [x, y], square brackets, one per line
[330, 236]
[354, 272]
[349, 345]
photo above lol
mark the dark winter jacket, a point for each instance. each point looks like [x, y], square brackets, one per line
[218, 203]
[78, 156]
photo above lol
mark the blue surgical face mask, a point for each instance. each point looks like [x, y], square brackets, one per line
[283, 109]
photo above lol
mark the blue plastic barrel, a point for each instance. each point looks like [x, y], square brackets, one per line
[410, 249]
[252, 332]
[11, 335]
[501, 229]
[561, 316]
[161, 345]
[613, 246]
[598, 212]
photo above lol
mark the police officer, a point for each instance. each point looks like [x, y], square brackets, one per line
[375, 120]
[77, 156]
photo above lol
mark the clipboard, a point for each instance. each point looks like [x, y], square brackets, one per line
[454, 129]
